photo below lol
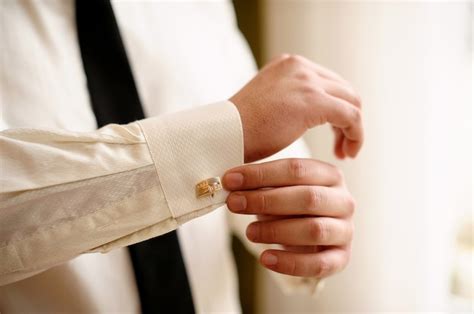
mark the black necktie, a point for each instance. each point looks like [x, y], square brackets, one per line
[158, 264]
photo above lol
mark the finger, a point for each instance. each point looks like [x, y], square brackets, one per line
[293, 200]
[275, 217]
[282, 172]
[268, 217]
[303, 248]
[301, 231]
[342, 91]
[338, 143]
[318, 265]
[347, 117]
[316, 248]
[349, 147]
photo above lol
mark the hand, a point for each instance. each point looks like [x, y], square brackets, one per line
[290, 95]
[303, 205]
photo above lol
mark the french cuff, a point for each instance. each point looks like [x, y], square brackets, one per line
[190, 146]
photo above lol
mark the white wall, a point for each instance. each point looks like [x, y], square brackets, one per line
[411, 63]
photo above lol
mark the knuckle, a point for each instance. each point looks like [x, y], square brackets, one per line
[304, 75]
[313, 94]
[318, 92]
[351, 205]
[338, 174]
[318, 230]
[355, 97]
[262, 203]
[296, 168]
[357, 100]
[323, 267]
[258, 176]
[292, 59]
[318, 96]
[355, 115]
[314, 199]
[309, 91]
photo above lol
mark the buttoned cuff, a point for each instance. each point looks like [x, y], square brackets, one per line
[190, 146]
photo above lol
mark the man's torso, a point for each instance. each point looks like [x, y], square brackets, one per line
[182, 54]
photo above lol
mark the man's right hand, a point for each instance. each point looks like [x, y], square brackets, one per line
[291, 95]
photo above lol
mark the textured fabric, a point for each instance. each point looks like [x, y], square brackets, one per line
[105, 203]
[199, 59]
[184, 138]
[158, 263]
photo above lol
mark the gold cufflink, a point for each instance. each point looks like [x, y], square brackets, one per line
[208, 187]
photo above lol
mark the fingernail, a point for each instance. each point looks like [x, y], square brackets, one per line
[233, 180]
[237, 202]
[251, 232]
[269, 259]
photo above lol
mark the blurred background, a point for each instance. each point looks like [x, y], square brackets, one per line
[412, 62]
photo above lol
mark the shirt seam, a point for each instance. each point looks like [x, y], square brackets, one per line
[14, 199]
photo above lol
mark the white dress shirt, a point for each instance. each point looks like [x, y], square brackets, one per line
[67, 189]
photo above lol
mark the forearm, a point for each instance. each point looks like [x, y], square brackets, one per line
[67, 193]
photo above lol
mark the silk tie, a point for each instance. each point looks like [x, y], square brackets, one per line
[158, 264]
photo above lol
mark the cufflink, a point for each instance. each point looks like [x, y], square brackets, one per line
[208, 187]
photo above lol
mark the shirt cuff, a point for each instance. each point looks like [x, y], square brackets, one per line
[190, 146]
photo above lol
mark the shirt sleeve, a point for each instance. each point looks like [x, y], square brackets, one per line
[67, 193]
[288, 284]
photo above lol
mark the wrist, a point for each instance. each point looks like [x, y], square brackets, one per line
[250, 138]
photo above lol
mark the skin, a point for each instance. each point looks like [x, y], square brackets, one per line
[291, 95]
[301, 204]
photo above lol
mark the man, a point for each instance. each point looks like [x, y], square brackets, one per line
[69, 189]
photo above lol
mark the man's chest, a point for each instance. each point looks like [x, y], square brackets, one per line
[182, 54]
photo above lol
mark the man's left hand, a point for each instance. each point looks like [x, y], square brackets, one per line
[303, 205]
